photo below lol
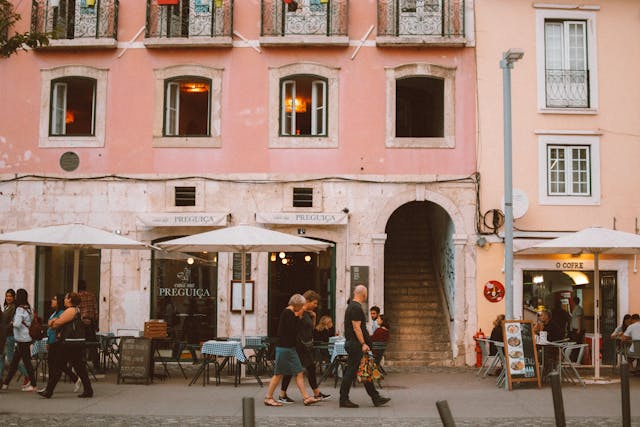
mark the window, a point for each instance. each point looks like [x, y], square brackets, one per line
[185, 196]
[302, 197]
[566, 71]
[187, 107]
[73, 107]
[566, 61]
[303, 106]
[72, 104]
[420, 106]
[569, 169]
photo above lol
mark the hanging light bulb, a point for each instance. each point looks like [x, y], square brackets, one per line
[307, 258]
[190, 260]
[282, 255]
[285, 261]
[273, 257]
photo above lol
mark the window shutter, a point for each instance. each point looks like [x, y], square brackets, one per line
[318, 107]
[288, 125]
[59, 109]
[172, 109]
[553, 46]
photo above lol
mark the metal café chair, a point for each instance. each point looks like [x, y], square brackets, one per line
[489, 362]
[567, 366]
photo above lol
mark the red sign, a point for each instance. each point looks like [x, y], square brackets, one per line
[494, 291]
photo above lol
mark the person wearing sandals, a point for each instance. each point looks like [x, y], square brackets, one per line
[357, 343]
[21, 322]
[304, 347]
[287, 360]
[54, 346]
[71, 351]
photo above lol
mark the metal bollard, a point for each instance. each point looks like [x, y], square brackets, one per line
[445, 413]
[558, 404]
[624, 385]
[248, 412]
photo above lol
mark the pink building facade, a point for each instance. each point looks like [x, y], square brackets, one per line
[349, 122]
[575, 130]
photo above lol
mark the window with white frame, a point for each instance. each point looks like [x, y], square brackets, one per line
[187, 110]
[566, 65]
[420, 106]
[303, 109]
[303, 106]
[569, 169]
[187, 107]
[566, 61]
[72, 106]
[73, 102]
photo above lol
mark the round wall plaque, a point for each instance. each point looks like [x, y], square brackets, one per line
[69, 161]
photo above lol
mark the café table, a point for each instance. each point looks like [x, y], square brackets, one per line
[338, 358]
[562, 364]
[227, 350]
[260, 348]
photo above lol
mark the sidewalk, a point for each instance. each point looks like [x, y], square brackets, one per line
[473, 401]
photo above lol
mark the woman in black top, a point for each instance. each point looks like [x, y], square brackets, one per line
[287, 360]
[304, 347]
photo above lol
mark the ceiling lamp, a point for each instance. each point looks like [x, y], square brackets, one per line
[194, 87]
[300, 104]
[578, 277]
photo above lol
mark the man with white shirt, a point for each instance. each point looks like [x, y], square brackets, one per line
[375, 312]
[633, 331]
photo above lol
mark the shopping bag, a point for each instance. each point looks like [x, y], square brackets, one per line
[368, 369]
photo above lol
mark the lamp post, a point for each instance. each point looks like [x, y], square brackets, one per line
[506, 63]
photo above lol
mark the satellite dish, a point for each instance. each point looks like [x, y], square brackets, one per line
[520, 203]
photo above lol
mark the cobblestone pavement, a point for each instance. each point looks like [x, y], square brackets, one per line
[113, 420]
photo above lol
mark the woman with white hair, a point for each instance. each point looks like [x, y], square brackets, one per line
[287, 360]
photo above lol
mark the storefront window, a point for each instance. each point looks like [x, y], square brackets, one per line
[184, 292]
[54, 274]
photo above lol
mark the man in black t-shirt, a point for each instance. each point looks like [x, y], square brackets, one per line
[357, 342]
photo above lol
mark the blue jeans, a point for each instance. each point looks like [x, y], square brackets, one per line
[9, 348]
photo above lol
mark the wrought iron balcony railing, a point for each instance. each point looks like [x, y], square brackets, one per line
[76, 23]
[421, 22]
[189, 23]
[567, 88]
[315, 22]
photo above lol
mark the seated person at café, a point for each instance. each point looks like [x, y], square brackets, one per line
[380, 335]
[561, 318]
[554, 333]
[324, 329]
[633, 333]
[496, 334]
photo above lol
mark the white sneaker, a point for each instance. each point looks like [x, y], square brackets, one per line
[4, 387]
[42, 390]
[28, 388]
[76, 388]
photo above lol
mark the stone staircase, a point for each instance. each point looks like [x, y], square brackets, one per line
[419, 332]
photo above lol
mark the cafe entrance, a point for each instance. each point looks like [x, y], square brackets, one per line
[297, 272]
[555, 289]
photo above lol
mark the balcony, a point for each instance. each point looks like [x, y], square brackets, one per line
[567, 88]
[304, 22]
[189, 23]
[73, 24]
[421, 23]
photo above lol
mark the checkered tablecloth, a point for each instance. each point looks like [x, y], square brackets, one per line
[39, 346]
[338, 349]
[224, 349]
[250, 341]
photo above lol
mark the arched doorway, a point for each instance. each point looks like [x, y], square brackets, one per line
[419, 283]
[297, 272]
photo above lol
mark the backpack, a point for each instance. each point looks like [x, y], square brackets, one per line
[37, 330]
[73, 330]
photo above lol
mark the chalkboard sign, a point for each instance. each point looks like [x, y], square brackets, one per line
[520, 352]
[135, 359]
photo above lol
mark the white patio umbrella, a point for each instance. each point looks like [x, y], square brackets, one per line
[76, 236]
[595, 241]
[243, 239]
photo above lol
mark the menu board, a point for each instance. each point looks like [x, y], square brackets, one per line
[521, 355]
[135, 359]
